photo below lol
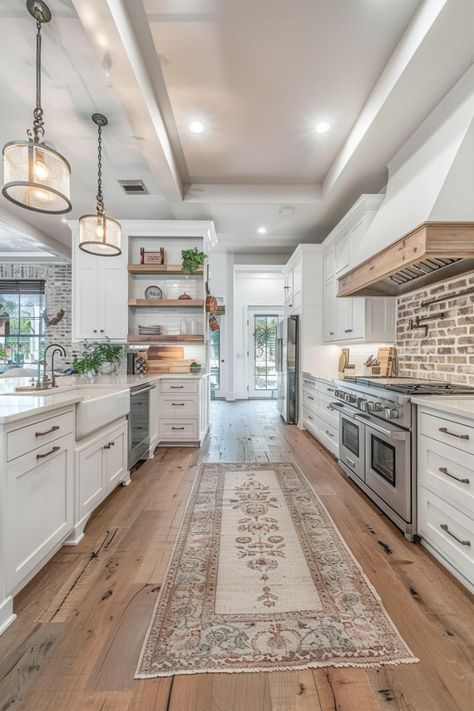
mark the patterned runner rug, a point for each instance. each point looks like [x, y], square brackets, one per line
[261, 580]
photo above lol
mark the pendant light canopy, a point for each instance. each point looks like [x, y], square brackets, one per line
[35, 175]
[98, 234]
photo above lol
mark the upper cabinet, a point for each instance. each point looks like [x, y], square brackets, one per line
[100, 294]
[353, 319]
[293, 284]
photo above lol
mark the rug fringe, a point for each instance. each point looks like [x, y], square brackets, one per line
[297, 667]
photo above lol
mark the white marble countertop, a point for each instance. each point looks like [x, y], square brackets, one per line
[462, 406]
[20, 406]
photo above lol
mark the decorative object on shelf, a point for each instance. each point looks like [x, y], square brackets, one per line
[151, 330]
[36, 176]
[140, 365]
[192, 260]
[53, 320]
[195, 368]
[98, 234]
[96, 358]
[153, 292]
[214, 324]
[152, 257]
[184, 297]
[211, 304]
[183, 327]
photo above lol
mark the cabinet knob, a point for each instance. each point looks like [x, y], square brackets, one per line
[331, 333]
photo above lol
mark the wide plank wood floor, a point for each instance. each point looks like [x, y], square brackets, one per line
[81, 621]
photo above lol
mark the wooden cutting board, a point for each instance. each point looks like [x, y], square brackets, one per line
[163, 352]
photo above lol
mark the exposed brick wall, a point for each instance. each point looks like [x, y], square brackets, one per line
[58, 295]
[447, 352]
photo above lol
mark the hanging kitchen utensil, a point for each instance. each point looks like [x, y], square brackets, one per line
[214, 323]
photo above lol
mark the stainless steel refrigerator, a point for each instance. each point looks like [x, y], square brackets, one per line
[287, 369]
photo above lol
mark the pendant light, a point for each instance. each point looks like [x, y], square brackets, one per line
[35, 175]
[98, 234]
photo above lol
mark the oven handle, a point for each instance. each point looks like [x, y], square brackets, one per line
[399, 435]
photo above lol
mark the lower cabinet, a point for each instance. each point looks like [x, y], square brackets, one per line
[446, 490]
[39, 512]
[101, 464]
[317, 415]
[183, 410]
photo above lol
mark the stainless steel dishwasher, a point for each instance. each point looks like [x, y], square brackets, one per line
[139, 423]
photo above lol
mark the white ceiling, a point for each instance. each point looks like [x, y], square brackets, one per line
[259, 75]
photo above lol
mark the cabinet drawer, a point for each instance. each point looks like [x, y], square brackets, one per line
[327, 412]
[185, 430]
[310, 400]
[326, 388]
[310, 383]
[447, 472]
[310, 419]
[329, 436]
[48, 429]
[450, 432]
[179, 386]
[450, 532]
[179, 406]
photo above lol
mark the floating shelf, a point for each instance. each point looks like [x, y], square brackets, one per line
[170, 303]
[132, 338]
[171, 269]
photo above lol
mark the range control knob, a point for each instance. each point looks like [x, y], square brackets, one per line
[378, 407]
[370, 406]
[390, 413]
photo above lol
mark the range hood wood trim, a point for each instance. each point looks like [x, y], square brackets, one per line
[430, 240]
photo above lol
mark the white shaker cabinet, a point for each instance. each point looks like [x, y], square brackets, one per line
[357, 319]
[100, 293]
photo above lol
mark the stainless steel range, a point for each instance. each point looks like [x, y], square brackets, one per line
[377, 440]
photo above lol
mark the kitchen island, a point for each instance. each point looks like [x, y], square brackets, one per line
[64, 450]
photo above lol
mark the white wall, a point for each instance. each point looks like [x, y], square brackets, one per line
[251, 289]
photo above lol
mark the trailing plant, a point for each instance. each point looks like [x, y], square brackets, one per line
[192, 260]
[94, 355]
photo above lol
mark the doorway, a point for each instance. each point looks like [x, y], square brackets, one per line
[262, 336]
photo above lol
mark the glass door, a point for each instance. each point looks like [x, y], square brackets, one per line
[263, 354]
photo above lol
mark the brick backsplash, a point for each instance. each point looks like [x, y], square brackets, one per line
[447, 352]
[58, 295]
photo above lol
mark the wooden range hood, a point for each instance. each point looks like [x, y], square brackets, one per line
[432, 252]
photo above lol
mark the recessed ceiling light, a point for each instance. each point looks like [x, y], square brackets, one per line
[262, 230]
[63, 219]
[322, 127]
[196, 127]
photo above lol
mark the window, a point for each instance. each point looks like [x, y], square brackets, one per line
[215, 359]
[265, 334]
[21, 322]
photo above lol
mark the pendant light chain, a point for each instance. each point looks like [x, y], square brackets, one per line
[38, 121]
[99, 196]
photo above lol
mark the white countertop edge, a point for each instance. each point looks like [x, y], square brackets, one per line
[463, 406]
[19, 407]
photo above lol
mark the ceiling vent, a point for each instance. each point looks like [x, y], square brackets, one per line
[286, 210]
[133, 187]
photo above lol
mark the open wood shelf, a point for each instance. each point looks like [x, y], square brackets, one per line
[133, 338]
[171, 269]
[170, 303]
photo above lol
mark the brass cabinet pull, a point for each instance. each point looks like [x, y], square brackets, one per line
[444, 526]
[54, 428]
[47, 454]
[444, 470]
[445, 430]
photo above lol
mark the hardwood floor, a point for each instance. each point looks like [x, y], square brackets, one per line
[81, 621]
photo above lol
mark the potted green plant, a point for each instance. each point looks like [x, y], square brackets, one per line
[192, 260]
[98, 358]
[195, 367]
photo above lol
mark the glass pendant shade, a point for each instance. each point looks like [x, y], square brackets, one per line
[36, 177]
[100, 235]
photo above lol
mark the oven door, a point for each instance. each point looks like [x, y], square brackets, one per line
[352, 442]
[388, 465]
